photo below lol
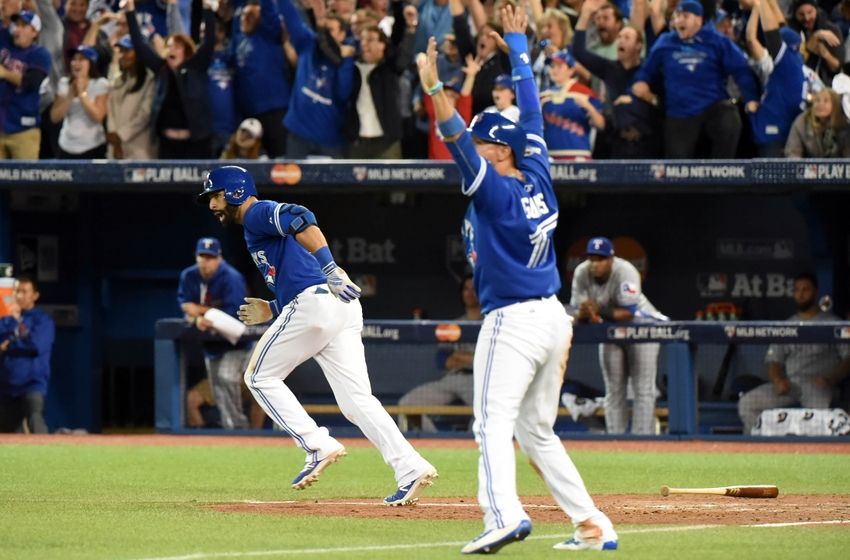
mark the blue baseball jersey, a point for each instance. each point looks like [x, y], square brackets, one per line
[19, 106]
[225, 290]
[783, 98]
[287, 267]
[509, 225]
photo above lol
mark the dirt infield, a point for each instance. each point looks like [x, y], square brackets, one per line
[626, 509]
[649, 445]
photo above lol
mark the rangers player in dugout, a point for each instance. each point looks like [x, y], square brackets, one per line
[316, 314]
[608, 288]
[525, 337]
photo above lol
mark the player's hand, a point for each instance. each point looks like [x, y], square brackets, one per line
[426, 63]
[342, 287]
[203, 324]
[752, 106]
[254, 311]
[514, 21]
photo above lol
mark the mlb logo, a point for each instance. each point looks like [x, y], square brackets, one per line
[617, 333]
[135, 175]
[730, 331]
[810, 171]
[842, 332]
[657, 170]
[717, 282]
[360, 173]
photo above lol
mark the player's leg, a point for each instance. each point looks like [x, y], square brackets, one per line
[643, 370]
[536, 436]
[343, 361]
[612, 362]
[506, 356]
[763, 397]
[229, 388]
[293, 338]
[814, 396]
[33, 404]
[437, 393]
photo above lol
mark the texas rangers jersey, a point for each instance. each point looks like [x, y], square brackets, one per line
[287, 267]
[509, 226]
[567, 127]
[622, 289]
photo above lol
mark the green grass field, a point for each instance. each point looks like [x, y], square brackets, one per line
[121, 502]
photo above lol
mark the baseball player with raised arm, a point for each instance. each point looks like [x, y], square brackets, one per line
[608, 288]
[522, 348]
[316, 314]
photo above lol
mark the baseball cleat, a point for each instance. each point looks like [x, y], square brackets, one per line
[490, 542]
[590, 536]
[409, 493]
[313, 469]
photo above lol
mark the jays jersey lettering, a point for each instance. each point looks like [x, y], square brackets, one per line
[287, 267]
[508, 227]
[622, 289]
[783, 98]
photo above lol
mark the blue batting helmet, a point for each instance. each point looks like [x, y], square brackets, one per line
[235, 181]
[493, 127]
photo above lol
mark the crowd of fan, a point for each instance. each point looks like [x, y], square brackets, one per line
[248, 79]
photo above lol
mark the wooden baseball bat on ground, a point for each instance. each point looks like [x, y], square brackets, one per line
[749, 491]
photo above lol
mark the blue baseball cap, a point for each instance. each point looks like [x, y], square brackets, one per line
[601, 246]
[88, 52]
[790, 37]
[28, 17]
[503, 80]
[565, 57]
[690, 6]
[125, 42]
[208, 246]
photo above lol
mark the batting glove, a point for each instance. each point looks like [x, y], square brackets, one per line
[254, 311]
[341, 285]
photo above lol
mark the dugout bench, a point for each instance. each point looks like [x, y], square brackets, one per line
[679, 340]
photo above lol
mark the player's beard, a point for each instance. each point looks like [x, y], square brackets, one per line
[228, 215]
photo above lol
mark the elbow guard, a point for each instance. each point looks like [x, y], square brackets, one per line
[299, 218]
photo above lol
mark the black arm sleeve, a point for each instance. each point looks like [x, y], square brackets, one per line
[32, 78]
[144, 51]
[463, 37]
[772, 42]
[597, 65]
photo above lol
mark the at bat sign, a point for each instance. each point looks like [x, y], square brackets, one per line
[739, 491]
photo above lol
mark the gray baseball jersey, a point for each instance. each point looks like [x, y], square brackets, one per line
[622, 289]
[804, 361]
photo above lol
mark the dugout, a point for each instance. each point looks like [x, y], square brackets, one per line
[107, 241]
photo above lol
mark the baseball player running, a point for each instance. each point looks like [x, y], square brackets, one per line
[317, 315]
[522, 347]
[607, 288]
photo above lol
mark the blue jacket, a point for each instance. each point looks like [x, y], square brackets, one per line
[695, 71]
[322, 90]
[225, 290]
[25, 365]
[262, 73]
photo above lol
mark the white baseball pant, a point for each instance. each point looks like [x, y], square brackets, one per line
[317, 325]
[519, 365]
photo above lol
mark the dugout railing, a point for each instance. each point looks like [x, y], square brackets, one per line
[399, 353]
